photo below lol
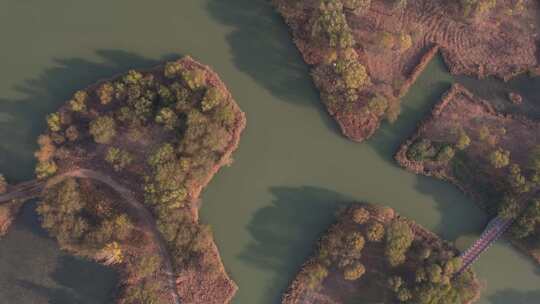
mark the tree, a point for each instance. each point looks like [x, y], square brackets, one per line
[499, 158]
[3, 184]
[45, 169]
[162, 155]
[434, 273]
[527, 222]
[78, 103]
[315, 274]
[356, 4]
[103, 129]
[375, 232]
[148, 265]
[404, 294]
[46, 150]
[172, 69]
[105, 93]
[211, 99]
[354, 271]
[534, 159]
[377, 105]
[445, 154]
[145, 292]
[421, 150]
[195, 78]
[168, 118]
[60, 212]
[353, 74]
[463, 140]
[111, 254]
[483, 133]
[400, 4]
[133, 77]
[386, 40]
[360, 215]
[72, 133]
[355, 242]
[123, 227]
[329, 25]
[53, 122]
[118, 158]
[484, 6]
[405, 42]
[224, 115]
[508, 207]
[517, 181]
[399, 237]
[394, 283]
[393, 111]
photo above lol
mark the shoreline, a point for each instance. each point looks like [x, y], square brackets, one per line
[297, 287]
[419, 168]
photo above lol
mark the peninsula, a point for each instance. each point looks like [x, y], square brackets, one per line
[493, 157]
[119, 174]
[373, 255]
[366, 54]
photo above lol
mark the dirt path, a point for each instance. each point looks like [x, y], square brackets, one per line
[33, 189]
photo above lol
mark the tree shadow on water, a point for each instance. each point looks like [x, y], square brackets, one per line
[513, 296]
[22, 120]
[285, 233]
[71, 280]
[78, 281]
[262, 48]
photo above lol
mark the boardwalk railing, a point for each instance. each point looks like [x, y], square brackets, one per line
[494, 230]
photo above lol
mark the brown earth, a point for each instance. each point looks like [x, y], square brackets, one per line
[336, 290]
[494, 44]
[459, 109]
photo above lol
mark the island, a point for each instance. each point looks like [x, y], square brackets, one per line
[366, 54]
[119, 174]
[373, 255]
[491, 156]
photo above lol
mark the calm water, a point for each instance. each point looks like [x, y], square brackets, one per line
[292, 171]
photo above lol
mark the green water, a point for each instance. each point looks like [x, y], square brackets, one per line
[293, 168]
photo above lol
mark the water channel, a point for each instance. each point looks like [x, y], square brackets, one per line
[293, 168]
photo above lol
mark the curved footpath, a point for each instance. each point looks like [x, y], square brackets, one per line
[33, 189]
